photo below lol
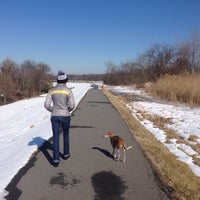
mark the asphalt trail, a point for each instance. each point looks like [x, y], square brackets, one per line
[90, 173]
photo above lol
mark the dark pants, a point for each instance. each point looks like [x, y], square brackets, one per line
[57, 123]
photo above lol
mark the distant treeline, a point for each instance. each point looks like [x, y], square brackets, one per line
[30, 78]
[155, 62]
[86, 77]
[159, 60]
[22, 81]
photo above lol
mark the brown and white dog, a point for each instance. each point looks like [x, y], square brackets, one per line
[117, 144]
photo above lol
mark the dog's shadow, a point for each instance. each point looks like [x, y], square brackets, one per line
[104, 151]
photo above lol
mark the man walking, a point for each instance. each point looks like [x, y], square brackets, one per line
[60, 102]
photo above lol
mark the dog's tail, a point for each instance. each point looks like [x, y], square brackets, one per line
[129, 147]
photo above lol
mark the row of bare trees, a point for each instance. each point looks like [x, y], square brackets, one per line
[158, 60]
[22, 81]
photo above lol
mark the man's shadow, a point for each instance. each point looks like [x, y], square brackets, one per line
[44, 146]
[104, 151]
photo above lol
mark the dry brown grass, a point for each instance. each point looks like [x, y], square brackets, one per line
[172, 172]
[193, 138]
[183, 88]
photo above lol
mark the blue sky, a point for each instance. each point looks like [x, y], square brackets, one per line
[80, 36]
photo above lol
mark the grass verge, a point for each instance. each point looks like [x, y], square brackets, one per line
[173, 173]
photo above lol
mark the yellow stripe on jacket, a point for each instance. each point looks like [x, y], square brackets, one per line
[60, 92]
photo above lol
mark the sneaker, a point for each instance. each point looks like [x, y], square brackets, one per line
[65, 157]
[55, 164]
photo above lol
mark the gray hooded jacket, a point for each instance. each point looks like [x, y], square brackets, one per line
[60, 100]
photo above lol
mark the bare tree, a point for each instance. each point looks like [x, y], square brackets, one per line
[8, 80]
[133, 72]
[28, 74]
[41, 77]
[34, 78]
[110, 74]
[157, 60]
[188, 54]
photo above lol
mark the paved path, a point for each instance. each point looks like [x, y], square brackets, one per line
[90, 173]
